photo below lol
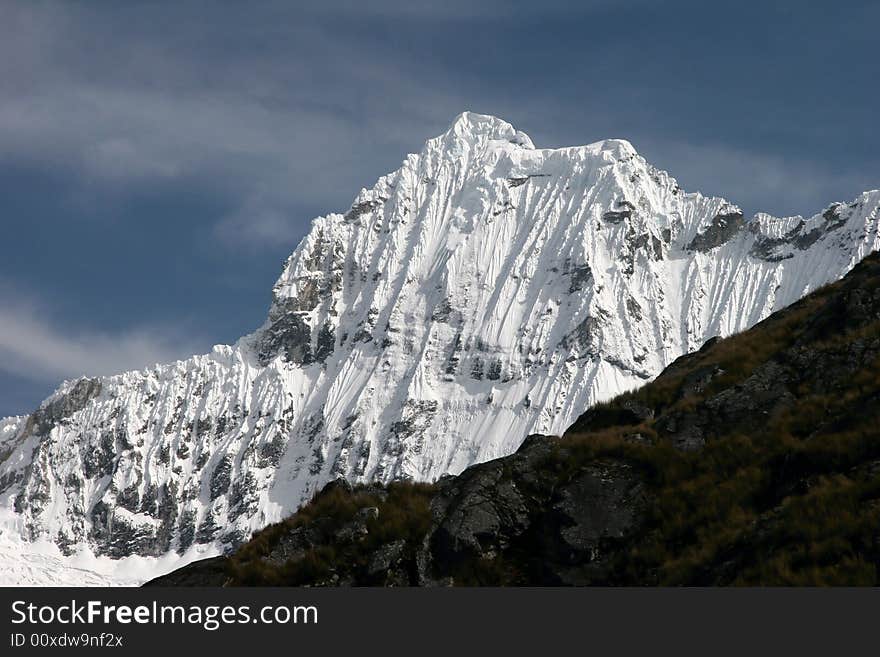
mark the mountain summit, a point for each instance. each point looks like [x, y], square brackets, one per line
[484, 291]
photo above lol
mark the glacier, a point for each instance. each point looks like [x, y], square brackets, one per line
[484, 291]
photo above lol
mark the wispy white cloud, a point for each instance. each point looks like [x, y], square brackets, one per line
[281, 130]
[260, 219]
[36, 346]
[757, 181]
[279, 109]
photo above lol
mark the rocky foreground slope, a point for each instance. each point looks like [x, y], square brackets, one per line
[755, 460]
[484, 291]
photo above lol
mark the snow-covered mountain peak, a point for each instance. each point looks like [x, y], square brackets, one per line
[612, 149]
[485, 290]
[473, 128]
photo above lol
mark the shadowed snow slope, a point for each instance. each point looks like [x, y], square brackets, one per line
[485, 291]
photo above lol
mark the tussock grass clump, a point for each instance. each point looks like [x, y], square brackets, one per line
[402, 513]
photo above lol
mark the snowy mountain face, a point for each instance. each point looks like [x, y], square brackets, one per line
[485, 291]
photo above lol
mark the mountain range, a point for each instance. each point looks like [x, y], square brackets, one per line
[485, 291]
[753, 461]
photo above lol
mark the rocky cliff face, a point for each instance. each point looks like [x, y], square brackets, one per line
[755, 460]
[485, 291]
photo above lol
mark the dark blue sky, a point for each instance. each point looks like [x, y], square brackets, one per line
[159, 160]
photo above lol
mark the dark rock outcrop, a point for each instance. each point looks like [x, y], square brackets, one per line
[723, 228]
[623, 211]
[288, 334]
[63, 406]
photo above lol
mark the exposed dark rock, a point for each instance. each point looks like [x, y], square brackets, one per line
[326, 343]
[207, 572]
[292, 546]
[356, 529]
[616, 216]
[683, 430]
[623, 211]
[359, 209]
[724, 227]
[221, 477]
[833, 217]
[289, 334]
[407, 434]
[182, 451]
[442, 311]
[585, 340]
[493, 372]
[597, 509]
[696, 381]
[774, 249]
[63, 406]
[186, 531]
[100, 519]
[634, 309]
[452, 361]
[522, 180]
[244, 497]
[126, 538]
[770, 248]
[167, 514]
[202, 460]
[363, 335]
[806, 240]
[477, 368]
[208, 529]
[270, 452]
[384, 559]
[150, 500]
[100, 461]
[581, 278]
[129, 498]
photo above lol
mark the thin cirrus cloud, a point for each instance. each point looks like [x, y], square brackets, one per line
[299, 109]
[759, 182]
[35, 347]
[280, 121]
